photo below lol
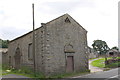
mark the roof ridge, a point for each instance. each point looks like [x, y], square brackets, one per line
[56, 18]
[38, 27]
[46, 23]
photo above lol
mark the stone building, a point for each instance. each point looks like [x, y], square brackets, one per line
[92, 53]
[60, 47]
[112, 53]
[4, 56]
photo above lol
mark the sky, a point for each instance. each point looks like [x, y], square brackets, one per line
[98, 17]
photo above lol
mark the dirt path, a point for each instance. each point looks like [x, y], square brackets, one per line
[94, 69]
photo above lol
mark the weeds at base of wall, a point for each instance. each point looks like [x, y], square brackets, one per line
[28, 72]
[5, 66]
[0, 70]
[69, 75]
[25, 71]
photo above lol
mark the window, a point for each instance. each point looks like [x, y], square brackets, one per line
[30, 51]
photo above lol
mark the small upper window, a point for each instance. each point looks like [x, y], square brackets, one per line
[67, 20]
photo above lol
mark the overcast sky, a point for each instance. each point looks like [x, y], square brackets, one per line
[98, 17]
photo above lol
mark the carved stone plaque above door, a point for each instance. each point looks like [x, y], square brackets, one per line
[69, 48]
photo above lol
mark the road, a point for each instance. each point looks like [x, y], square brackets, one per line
[13, 76]
[107, 75]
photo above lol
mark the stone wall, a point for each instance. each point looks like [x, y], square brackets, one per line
[92, 53]
[54, 41]
[58, 35]
[40, 50]
[21, 43]
[3, 56]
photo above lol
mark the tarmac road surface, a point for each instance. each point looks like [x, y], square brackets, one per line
[105, 75]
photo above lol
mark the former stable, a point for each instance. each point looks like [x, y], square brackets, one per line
[60, 47]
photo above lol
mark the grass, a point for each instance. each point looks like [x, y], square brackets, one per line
[0, 72]
[118, 57]
[39, 75]
[4, 68]
[68, 75]
[25, 71]
[100, 63]
[113, 65]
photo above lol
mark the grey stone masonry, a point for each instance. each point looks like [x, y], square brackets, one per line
[60, 47]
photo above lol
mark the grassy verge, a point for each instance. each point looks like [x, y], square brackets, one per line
[69, 75]
[65, 75]
[25, 71]
[29, 75]
[4, 68]
[113, 65]
[0, 72]
[100, 63]
[38, 75]
[118, 57]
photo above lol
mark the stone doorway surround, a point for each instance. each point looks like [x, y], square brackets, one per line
[17, 58]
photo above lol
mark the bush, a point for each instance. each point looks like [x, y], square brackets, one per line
[113, 60]
[113, 65]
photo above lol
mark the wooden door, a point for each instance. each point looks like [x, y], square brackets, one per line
[69, 64]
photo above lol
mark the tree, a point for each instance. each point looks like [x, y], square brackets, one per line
[4, 43]
[100, 46]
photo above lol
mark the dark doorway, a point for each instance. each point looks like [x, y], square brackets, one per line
[17, 58]
[69, 64]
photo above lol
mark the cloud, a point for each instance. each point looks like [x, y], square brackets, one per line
[15, 18]
[99, 17]
[63, 6]
[11, 32]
